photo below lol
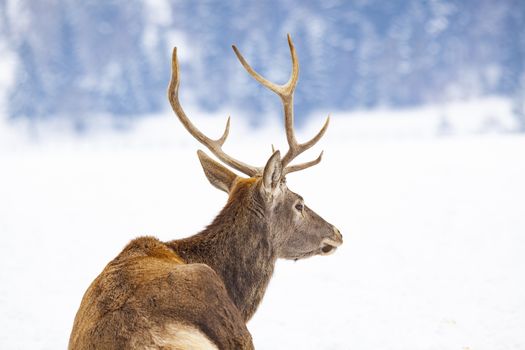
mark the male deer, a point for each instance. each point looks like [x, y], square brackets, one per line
[199, 292]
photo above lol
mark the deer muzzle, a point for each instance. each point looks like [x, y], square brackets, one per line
[330, 244]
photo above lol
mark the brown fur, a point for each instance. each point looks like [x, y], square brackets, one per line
[148, 286]
[237, 246]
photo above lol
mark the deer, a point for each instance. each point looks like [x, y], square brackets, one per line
[199, 292]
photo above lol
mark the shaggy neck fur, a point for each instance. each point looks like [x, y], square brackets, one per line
[237, 246]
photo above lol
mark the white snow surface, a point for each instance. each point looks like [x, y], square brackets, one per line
[434, 230]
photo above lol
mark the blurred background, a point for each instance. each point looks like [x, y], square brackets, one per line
[76, 59]
[422, 172]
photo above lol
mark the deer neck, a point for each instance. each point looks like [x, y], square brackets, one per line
[237, 246]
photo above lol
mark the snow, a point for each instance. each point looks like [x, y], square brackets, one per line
[434, 229]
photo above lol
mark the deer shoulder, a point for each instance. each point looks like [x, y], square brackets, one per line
[146, 297]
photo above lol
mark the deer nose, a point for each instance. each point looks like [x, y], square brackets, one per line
[338, 235]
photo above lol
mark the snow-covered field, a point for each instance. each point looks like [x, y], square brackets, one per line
[434, 230]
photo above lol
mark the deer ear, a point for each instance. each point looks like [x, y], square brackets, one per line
[218, 175]
[272, 172]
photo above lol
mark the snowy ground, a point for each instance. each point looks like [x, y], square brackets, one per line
[434, 231]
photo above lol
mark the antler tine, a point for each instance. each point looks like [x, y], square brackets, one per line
[298, 148]
[297, 167]
[285, 92]
[215, 146]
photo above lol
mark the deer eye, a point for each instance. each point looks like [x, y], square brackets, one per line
[299, 207]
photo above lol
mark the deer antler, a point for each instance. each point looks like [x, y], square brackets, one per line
[215, 146]
[285, 92]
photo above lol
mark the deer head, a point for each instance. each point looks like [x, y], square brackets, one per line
[295, 230]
